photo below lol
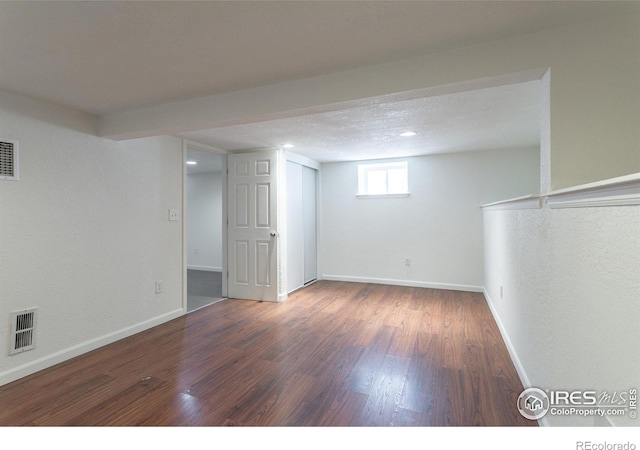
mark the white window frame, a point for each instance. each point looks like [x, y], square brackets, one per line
[363, 178]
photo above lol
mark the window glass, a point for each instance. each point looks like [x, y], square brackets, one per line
[383, 178]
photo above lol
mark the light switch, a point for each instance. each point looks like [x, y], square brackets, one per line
[174, 214]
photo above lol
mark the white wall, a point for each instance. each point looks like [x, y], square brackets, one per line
[570, 309]
[439, 226]
[84, 233]
[204, 221]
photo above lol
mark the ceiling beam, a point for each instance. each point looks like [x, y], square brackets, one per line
[477, 67]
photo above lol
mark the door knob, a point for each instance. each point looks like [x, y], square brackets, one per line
[273, 233]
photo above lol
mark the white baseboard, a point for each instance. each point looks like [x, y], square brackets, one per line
[524, 379]
[410, 283]
[505, 337]
[205, 268]
[64, 355]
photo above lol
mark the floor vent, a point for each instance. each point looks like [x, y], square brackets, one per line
[23, 327]
[8, 160]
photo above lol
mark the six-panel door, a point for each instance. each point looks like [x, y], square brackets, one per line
[252, 234]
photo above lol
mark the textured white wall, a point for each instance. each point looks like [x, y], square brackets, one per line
[204, 220]
[439, 226]
[84, 233]
[571, 306]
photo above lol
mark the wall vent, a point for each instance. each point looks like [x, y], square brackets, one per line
[23, 328]
[8, 159]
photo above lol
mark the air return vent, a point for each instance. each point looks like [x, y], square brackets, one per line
[8, 160]
[23, 328]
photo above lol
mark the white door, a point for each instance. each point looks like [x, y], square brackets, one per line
[252, 233]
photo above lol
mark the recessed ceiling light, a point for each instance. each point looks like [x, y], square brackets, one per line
[408, 133]
[192, 163]
[287, 146]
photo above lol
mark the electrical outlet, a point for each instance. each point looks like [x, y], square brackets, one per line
[195, 252]
[159, 287]
[174, 215]
[407, 261]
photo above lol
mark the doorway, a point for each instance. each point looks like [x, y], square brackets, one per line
[204, 227]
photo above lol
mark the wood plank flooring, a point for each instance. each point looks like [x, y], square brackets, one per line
[333, 354]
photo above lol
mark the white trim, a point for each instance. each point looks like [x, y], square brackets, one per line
[621, 191]
[302, 160]
[617, 200]
[363, 196]
[205, 268]
[225, 228]
[205, 147]
[526, 202]
[524, 379]
[410, 283]
[71, 352]
[185, 153]
[281, 226]
[599, 185]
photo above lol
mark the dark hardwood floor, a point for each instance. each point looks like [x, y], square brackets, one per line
[333, 354]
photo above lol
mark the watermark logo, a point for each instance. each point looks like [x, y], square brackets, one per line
[588, 445]
[534, 403]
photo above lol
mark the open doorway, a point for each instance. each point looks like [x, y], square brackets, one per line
[204, 228]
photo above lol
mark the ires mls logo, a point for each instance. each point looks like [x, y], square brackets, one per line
[574, 398]
[534, 403]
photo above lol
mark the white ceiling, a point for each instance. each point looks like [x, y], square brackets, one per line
[505, 117]
[104, 57]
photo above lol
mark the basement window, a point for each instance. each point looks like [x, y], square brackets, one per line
[383, 180]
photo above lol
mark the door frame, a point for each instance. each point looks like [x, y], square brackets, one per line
[186, 145]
